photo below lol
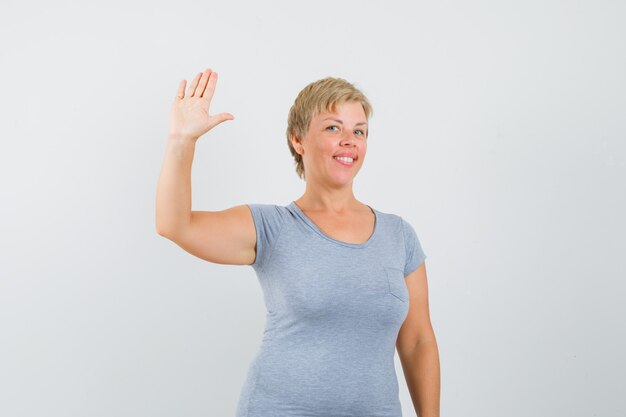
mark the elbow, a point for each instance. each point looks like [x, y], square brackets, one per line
[168, 232]
[162, 230]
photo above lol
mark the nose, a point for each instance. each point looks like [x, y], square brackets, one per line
[348, 138]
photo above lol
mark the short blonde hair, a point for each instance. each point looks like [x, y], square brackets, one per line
[317, 97]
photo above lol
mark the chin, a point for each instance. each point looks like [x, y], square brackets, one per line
[343, 179]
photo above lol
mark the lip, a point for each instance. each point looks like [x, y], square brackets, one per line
[346, 164]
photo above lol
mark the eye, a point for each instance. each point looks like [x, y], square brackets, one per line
[331, 126]
[359, 130]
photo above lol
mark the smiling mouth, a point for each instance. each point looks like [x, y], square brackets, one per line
[346, 161]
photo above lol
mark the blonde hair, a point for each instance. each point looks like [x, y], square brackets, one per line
[317, 97]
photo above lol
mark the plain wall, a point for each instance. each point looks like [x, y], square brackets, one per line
[498, 133]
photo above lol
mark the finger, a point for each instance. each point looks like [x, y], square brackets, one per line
[210, 88]
[193, 85]
[181, 89]
[203, 81]
[219, 118]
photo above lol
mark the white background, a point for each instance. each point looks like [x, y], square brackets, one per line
[498, 133]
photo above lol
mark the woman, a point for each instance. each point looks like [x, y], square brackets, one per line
[344, 284]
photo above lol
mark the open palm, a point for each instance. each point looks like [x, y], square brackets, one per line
[189, 117]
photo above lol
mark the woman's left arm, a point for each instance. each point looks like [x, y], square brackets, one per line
[417, 348]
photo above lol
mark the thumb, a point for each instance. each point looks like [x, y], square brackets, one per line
[219, 118]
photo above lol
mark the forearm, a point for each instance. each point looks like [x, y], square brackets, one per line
[173, 199]
[422, 373]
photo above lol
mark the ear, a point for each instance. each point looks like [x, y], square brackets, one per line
[297, 144]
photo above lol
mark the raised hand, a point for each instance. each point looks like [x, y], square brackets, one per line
[189, 117]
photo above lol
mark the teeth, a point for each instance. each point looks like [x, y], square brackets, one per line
[344, 158]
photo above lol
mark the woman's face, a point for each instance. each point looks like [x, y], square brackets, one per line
[330, 135]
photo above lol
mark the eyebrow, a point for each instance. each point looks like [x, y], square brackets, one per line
[337, 120]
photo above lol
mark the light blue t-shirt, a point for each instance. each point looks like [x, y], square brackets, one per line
[334, 310]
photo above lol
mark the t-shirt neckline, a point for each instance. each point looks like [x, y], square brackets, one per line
[313, 226]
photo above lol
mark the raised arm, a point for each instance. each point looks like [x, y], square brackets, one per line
[225, 237]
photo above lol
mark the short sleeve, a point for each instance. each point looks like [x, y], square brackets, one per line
[268, 222]
[415, 256]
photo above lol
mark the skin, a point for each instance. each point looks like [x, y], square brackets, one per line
[228, 236]
[328, 199]
[417, 348]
